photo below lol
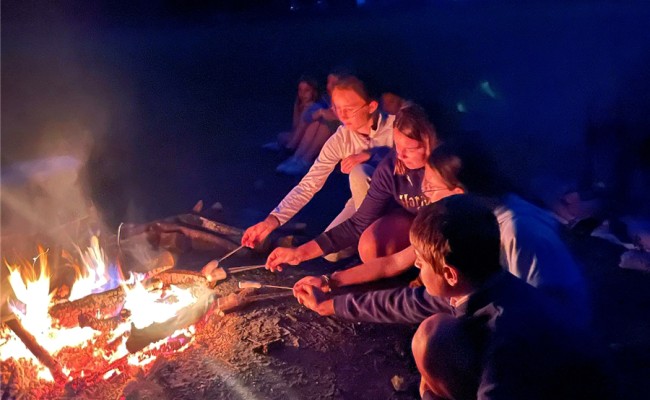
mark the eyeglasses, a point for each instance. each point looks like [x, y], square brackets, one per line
[347, 111]
[431, 189]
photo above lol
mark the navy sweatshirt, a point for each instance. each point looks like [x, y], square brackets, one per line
[387, 191]
[392, 306]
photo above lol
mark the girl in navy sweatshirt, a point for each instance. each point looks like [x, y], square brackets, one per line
[381, 224]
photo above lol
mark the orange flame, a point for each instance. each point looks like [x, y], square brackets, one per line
[33, 300]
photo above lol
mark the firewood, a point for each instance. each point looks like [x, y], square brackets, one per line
[108, 304]
[199, 239]
[182, 277]
[37, 350]
[101, 305]
[207, 224]
[162, 263]
[141, 338]
[103, 324]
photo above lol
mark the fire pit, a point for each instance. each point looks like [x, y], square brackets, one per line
[272, 348]
[106, 327]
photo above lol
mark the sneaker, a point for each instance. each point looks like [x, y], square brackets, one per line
[296, 167]
[272, 146]
[285, 164]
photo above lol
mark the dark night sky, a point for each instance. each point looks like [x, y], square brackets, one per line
[173, 99]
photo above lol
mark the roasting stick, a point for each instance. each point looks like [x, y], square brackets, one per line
[235, 270]
[37, 350]
[230, 254]
[258, 285]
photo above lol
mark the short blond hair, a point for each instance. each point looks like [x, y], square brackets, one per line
[459, 231]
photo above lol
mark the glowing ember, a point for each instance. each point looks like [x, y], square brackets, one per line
[85, 351]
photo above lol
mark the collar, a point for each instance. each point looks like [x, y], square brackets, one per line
[378, 119]
[481, 296]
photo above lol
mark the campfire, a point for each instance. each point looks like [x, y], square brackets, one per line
[108, 325]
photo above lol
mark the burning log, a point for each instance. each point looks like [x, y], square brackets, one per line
[37, 350]
[141, 338]
[107, 304]
[103, 324]
[103, 305]
[182, 278]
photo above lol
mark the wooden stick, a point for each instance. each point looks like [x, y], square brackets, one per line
[235, 270]
[37, 350]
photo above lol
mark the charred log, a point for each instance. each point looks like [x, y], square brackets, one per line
[182, 278]
[101, 305]
[37, 350]
[103, 324]
[207, 224]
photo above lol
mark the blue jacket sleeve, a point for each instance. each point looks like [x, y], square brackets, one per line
[396, 306]
[377, 154]
[376, 203]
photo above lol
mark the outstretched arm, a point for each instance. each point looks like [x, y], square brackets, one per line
[378, 268]
[292, 255]
[396, 306]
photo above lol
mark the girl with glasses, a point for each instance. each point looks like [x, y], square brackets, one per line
[359, 144]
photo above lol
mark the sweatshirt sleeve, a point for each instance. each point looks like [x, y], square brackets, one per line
[397, 306]
[313, 181]
[377, 201]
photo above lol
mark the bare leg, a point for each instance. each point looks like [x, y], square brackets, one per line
[296, 135]
[346, 213]
[315, 137]
[360, 183]
[386, 236]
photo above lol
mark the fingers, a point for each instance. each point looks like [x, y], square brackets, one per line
[275, 260]
[299, 293]
[305, 296]
[255, 234]
[299, 287]
[250, 237]
[271, 261]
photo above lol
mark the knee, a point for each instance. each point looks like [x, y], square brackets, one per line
[367, 246]
[361, 173]
[431, 330]
[386, 236]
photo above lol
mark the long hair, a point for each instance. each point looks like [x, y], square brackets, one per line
[298, 107]
[412, 121]
[467, 165]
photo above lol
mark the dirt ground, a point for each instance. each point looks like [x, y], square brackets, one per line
[277, 349]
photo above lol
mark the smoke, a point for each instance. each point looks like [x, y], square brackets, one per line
[59, 106]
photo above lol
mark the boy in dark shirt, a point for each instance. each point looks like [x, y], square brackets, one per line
[503, 339]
